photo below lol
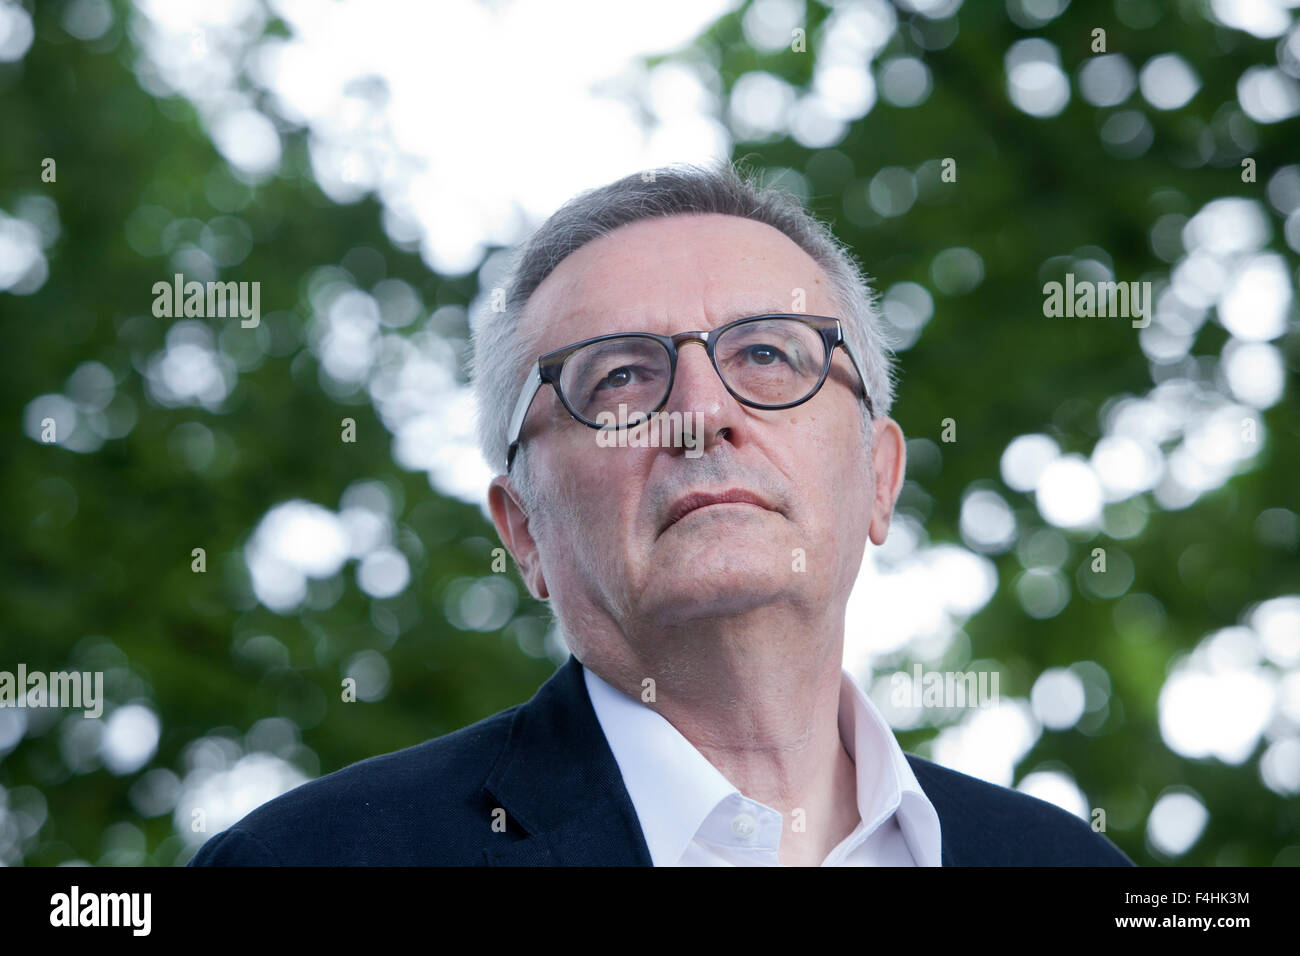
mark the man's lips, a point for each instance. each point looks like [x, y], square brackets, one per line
[702, 499]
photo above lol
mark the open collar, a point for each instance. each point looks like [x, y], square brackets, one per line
[558, 781]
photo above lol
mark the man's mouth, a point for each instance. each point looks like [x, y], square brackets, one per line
[704, 499]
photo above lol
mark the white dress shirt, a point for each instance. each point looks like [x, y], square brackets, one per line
[692, 815]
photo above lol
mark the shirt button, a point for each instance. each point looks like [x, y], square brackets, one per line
[744, 826]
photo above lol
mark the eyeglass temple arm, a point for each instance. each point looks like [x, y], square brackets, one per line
[526, 395]
[857, 368]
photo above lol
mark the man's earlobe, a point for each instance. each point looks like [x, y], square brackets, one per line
[888, 462]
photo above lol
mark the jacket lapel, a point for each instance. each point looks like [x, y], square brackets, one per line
[558, 781]
[934, 793]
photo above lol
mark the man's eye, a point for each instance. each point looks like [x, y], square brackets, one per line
[766, 354]
[618, 378]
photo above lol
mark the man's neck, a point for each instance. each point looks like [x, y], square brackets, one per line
[788, 757]
[763, 710]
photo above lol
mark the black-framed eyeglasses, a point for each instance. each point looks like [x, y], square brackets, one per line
[769, 361]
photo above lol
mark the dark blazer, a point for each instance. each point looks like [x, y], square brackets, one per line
[547, 765]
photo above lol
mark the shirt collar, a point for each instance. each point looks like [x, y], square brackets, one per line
[887, 787]
[673, 787]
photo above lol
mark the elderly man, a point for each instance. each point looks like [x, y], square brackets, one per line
[700, 582]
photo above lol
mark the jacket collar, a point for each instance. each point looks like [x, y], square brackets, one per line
[940, 798]
[557, 779]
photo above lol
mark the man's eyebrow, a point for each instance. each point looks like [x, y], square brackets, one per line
[730, 315]
[733, 314]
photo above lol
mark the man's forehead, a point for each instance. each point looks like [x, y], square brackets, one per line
[672, 278]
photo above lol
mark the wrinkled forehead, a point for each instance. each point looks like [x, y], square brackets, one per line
[671, 275]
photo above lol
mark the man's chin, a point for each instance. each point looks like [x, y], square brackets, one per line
[739, 549]
[680, 596]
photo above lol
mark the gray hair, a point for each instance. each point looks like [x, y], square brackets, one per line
[503, 351]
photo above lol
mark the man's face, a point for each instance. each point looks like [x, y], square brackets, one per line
[602, 546]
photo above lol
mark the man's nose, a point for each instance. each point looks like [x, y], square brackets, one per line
[698, 389]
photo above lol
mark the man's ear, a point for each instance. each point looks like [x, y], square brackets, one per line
[889, 462]
[512, 525]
